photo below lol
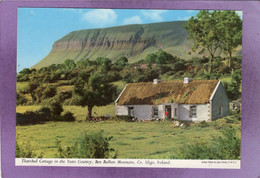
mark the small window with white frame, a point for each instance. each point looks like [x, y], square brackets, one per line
[155, 111]
[193, 111]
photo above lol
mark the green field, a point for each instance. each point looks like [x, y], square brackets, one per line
[151, 139]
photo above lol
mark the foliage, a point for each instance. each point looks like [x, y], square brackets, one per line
[94, 90]
[56, 108]
[230, 30]
[212, 30]
[68, 116]
[20, 99]
[62, 96]
[203, 124]
[69, 64]
[104, 63]
[44, 91]
[121, 62]
[93, 145]
[233, 89]
[226, 146]
[25, 151]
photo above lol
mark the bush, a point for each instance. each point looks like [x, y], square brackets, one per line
[64, 95]
[203, 124]
[226, 146]
[68, 116]
[26, 151]
[93, 145]
[220, 123]
[56, 108]
[20, 99]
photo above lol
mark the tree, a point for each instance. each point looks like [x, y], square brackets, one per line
[162, 57]
[121, 62]
[234, 88]
[33, 85]
[203, 29]
[230, 31]
[69, 64]
[104, 63]
[94, 90]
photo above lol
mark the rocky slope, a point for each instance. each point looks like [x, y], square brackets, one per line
[132, 41]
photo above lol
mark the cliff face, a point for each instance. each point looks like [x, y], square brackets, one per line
[132, 41]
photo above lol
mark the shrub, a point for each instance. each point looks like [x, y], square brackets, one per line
[64, 95]
[226, 146]
[220, 123]
[20, 99]
[93, 145]
[68, 116]
[203, 124]
[56, 108]
[26, 151]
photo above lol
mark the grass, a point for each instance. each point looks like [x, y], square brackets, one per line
[154, 140]
[21, 85]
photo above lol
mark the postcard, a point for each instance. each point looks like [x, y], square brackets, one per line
[131, 87]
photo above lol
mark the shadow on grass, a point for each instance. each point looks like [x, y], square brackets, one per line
[31, 118]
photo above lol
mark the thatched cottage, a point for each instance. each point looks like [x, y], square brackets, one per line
[188, 100]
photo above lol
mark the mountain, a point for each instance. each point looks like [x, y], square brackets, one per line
[131, 41]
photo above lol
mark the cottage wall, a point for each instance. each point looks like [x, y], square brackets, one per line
[161, 112]
[142, 112]
[203, 112]
[220, 99]
[121, 110]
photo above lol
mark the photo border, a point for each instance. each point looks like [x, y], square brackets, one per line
[250, 157]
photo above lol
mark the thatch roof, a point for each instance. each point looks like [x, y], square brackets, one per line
[195, 92]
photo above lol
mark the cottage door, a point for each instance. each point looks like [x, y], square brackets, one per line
[168, 112]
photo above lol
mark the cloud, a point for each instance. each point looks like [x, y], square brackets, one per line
[73, 10]
[184, 18]
[190, 11]
[133, 20]
[154, 15]
[31, 13]
[100, 17]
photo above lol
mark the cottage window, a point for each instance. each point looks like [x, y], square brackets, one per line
[193, 111]
[155, 111]
[220, 112]
[131, 111]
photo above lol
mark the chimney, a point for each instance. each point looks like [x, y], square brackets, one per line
[187, 80]
[156, 81]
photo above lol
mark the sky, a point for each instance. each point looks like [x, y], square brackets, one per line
[39, 28]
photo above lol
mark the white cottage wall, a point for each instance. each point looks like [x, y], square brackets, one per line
[202, 112]
[121, 110]
[143, 112]
[161, 112]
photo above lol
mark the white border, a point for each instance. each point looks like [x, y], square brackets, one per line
[148, 163]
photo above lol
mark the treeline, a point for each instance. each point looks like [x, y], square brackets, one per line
[43, 83]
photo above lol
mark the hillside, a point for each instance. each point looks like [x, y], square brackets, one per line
[132, 41]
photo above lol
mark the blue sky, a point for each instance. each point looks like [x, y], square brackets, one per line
[39, 28]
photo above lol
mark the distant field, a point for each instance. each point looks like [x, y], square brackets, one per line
[131, 139]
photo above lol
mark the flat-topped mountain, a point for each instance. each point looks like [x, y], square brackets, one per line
[131, 41]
